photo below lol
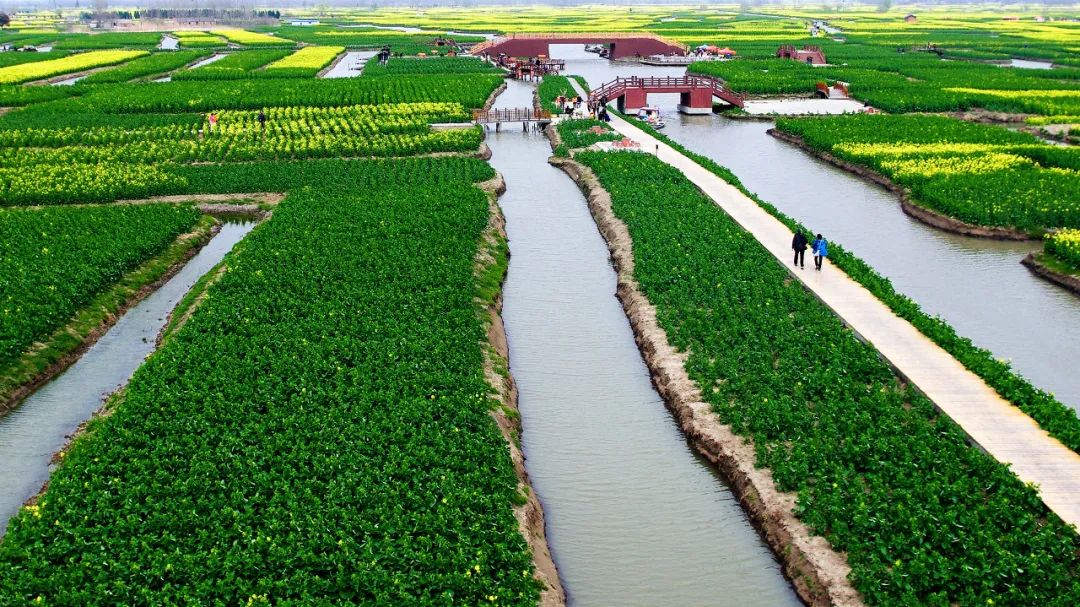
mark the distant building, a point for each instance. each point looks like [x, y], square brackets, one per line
[304, 22]
[911, 18]
[810, 55]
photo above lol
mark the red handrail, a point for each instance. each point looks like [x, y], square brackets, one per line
[618, 86]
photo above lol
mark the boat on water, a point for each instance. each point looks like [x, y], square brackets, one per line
[652, 116]
[594, 48]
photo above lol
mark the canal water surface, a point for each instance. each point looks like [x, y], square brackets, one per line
[634, 517]
[39, 426]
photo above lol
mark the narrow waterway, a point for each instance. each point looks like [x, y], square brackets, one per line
[975, 284]
[169, 43]
[1030, 64]
[40, 425]
[634, 517]
[351, 65]
[208, 60]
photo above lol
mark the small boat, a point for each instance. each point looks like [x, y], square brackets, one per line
[652, 116]
[594, 48]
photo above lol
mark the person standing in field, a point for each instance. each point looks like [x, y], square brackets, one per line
[262, 119]
[213, 120]
[798, 244]
[821, 251]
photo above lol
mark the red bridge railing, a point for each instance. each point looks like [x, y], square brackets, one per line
[510, 115]
[616, 88]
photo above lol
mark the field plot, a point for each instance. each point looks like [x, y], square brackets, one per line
[235, 66]
[309, 58]
[191, 39]
[983, 175]
[321, 424]
[878, 471]
[55, 261]
[142, 67]
[247, 38]
[372, 38]
[39, 70]
[107, 40]
[370, 473]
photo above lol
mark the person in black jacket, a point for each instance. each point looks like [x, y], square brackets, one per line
[798, 244]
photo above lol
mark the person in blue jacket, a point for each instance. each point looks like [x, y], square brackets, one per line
[821, 251]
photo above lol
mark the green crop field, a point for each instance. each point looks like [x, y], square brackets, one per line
[328, 417]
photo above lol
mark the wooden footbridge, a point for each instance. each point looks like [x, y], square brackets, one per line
[526, 116]
[696, 92]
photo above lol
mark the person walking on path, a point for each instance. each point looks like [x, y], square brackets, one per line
[798, 244]
[821, 251]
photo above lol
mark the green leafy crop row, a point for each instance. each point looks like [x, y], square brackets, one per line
[319, 432]
[924, 518]
[52, 261]
[469, 90]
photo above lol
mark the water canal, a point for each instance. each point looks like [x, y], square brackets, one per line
[634, 516]
[977, 285]
[35, 430]
[351, 65]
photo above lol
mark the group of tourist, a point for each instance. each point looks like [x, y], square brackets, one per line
[819, 246]
[576, 107]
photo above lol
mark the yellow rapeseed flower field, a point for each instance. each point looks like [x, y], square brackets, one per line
[247, 38]
[313, 57]
[39, 70]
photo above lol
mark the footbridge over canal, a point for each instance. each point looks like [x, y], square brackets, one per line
[696, 92]
[621, 44]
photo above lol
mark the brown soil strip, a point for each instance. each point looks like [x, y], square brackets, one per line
[1067, 281]
[748, 117]
[989, 117]
[913, 209]
[4, 110]
[818, 573]
[209, 200]
[11, 400]
[221, 209]
[530, 515]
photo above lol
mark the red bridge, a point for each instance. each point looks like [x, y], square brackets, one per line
[696, 92]
[624, 44]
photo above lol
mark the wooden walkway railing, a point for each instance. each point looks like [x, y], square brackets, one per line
[510, 115]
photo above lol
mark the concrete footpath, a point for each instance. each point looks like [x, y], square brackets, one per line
[997, 426]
